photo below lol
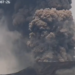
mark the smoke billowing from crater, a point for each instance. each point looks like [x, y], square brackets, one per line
[35, 31]
[52, 35]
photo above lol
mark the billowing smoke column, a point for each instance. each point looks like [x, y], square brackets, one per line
[46, 28]
[52, 35]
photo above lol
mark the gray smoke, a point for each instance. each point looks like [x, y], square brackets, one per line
[13, 58]
[24, 12]
[52, 35]
[35, 31]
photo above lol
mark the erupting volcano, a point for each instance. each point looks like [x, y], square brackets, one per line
[38, 36]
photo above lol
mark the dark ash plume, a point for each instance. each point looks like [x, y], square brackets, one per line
[52, 35]
[47, 33]
[24, 9]
[21, 12]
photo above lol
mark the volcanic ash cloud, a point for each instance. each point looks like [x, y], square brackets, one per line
[52, 35]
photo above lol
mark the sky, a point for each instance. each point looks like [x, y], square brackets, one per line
[73, 8]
